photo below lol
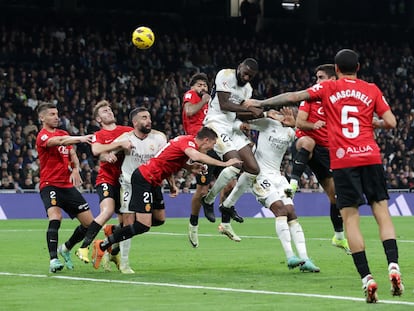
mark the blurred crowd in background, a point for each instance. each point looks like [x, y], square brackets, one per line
[76, 67]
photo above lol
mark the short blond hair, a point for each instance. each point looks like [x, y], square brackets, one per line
[100, 104]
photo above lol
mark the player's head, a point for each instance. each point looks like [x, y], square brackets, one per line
[206, 139]
[102, 113]
[246, 71]
[141, 119]
[325, 72]
[48, 114]
[347, 62]
[199, 83]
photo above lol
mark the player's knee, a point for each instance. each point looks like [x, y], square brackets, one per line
[252, 169]
[139, 228]
[230, 172]
[292, 221]
[203, 190]
[279, 209]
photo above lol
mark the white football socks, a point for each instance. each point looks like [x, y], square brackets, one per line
[298, 238]
[282, 231]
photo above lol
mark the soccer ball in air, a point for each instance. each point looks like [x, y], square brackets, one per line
[143, 38]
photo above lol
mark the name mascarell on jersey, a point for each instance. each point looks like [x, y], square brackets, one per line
[345, 94]
[350, 93]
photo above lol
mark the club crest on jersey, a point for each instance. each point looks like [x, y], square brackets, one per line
[340, 153]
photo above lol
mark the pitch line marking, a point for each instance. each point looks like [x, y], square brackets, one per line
[185, 234]
[223, 289]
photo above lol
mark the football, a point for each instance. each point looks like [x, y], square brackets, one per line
[143, 37]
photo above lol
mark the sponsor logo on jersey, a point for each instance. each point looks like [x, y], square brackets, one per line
[353, 151]
[320, 111]
[63, 150]
[359, 149]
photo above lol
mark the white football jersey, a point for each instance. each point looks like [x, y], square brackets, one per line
[226, 81]
[273, 141]
[142, 150]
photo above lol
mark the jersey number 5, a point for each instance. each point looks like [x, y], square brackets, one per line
[348, 120]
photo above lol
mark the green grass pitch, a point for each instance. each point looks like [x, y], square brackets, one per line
[219, 275]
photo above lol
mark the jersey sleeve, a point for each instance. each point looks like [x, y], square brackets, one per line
[187, 143]
[42, 141]
[304, 106]
[317, 90]
[223, 80]
[381, 104]
[190, 97]
[97, 138]
[122, 137]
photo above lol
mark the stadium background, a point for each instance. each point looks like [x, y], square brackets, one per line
[77, 52]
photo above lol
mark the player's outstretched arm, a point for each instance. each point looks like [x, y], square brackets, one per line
[69, 140]
[121, 142]
[197, 156]
[284, 99]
